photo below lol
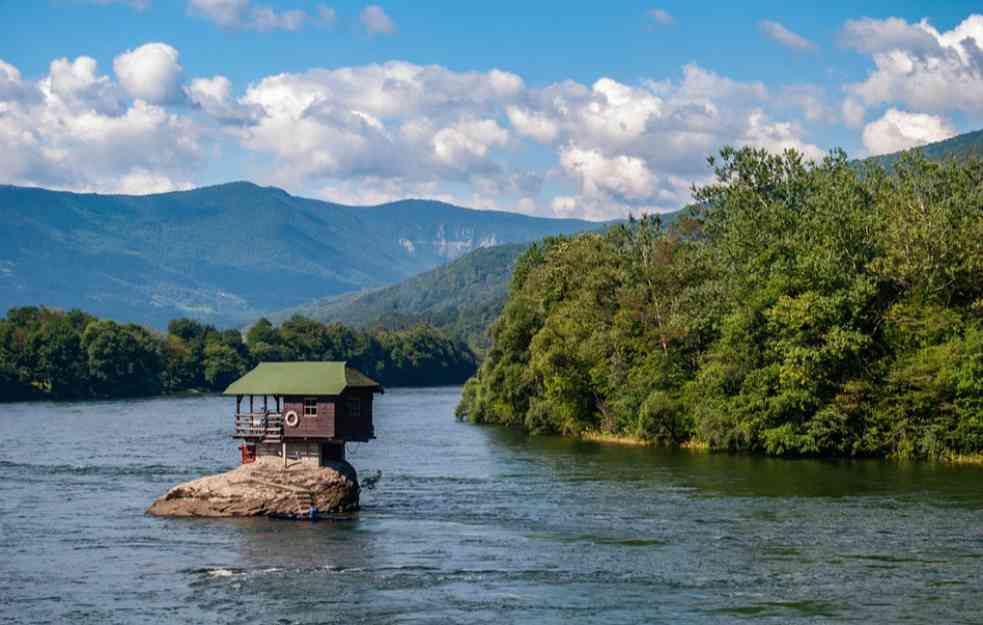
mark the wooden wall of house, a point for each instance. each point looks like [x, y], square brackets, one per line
[333, 419]
[321, 426]
[352, 428]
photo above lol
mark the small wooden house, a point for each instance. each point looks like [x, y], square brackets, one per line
[302, 411]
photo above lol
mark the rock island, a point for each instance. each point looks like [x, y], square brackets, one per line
[294, 420]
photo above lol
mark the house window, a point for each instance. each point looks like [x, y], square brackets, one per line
[354, 408]
[310, 407]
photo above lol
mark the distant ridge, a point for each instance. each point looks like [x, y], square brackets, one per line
[228, 253]
[967, 145]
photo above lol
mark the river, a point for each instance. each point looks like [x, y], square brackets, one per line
[473, 525]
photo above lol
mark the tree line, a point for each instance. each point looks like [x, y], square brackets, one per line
[801, 308]
[54, 354]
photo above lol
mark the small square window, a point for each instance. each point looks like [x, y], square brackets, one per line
[354, 408]
[310, 407]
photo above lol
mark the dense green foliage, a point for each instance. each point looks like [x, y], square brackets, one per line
[228, 253]
[47, 353]
[802, 309]
[461, 298]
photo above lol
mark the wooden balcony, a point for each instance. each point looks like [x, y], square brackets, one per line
[264, 426]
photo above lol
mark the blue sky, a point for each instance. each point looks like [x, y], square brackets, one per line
[551, 108]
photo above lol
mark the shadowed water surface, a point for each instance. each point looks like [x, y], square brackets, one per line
[474, 524]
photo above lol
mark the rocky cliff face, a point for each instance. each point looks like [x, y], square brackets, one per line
[263, 488]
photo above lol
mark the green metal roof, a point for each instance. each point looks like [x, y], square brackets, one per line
[300, 378]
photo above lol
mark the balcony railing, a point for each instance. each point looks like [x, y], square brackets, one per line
[264, 425]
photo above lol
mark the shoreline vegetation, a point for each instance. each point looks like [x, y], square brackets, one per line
[49, 354]
[801, 309]
[627, 440]
[699, 446]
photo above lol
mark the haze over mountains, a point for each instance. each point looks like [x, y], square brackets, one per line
[228, 253]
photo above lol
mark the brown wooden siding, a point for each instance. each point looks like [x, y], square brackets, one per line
[321, 426]
[332, 420]
[358, 428]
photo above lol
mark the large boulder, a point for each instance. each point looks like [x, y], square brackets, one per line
[264, 488]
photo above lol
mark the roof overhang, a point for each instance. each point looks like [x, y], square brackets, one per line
[301, 378]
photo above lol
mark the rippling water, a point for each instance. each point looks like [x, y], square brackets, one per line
[473, 524]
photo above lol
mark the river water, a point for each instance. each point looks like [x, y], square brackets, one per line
[473, 525]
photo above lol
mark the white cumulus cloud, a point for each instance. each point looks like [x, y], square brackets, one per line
[617, 147]
[919, 66]
[624, 177]
[382, 131]
[467, 141]
[73, 130]
[776, 136]
[899, 130]
[214, 96]
[396, 120]
[532, 124]
[151, 72]
[77, 84]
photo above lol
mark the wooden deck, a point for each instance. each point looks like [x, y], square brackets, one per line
[264, 426]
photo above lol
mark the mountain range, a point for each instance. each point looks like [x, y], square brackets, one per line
[231, 253]
[228, 253]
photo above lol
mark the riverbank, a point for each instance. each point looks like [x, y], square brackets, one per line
[595, 436]
[976, 459]
[609, 438]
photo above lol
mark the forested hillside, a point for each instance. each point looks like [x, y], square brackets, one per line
[462, 298]
[961, 147]
[803, 309]
[230, 253]
[51, 354]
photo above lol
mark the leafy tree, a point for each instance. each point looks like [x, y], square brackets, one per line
[222, 365]
[182, 365]
[60, 366]
[15, 378]
[262, 332]
[123, 361]
[802, 309]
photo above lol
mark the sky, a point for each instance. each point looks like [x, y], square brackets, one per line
[559, 109]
